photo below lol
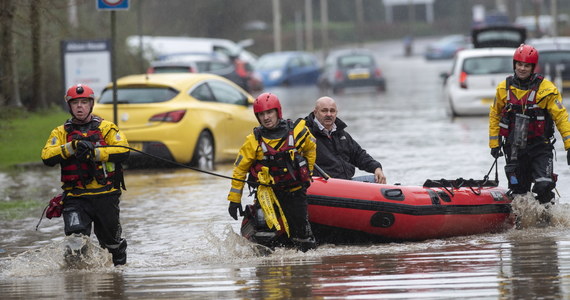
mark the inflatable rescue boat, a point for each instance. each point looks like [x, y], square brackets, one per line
[347, 211]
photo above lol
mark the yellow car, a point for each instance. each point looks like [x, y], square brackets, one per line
[191, 118]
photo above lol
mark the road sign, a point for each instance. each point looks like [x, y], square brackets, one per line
[88, 62]
[112, 4]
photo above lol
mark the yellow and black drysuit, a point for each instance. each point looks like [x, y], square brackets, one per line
[537, 100]
[288, 152]
[91, 187]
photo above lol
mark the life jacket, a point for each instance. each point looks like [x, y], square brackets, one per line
[287, 166]
[540, 123]
[76, 173]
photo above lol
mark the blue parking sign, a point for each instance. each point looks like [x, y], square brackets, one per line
[112, 4]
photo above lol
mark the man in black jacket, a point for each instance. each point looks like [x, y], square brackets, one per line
[337, 153]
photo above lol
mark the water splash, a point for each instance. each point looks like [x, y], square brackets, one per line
[530, 213]
[51, 258]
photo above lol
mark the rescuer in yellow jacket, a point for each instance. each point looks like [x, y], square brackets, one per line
[521, 124]
[280, 153]
[91, 173]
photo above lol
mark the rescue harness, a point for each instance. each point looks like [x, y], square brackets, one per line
[76, 173]
[287, 166]
[540, 122]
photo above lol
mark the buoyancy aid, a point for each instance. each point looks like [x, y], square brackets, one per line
[286, 165]
[540, 123]
[76, 173]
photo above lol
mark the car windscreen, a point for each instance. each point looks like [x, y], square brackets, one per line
[355, 61]
[139, 95]
[271, 62]
[488, 65]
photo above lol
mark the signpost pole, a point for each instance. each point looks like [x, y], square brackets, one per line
[114, 68]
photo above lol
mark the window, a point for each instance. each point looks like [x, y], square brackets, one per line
[227, 94]
[139, 95]
[203, 93]
[488, 65]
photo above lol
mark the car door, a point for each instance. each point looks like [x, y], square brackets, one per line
[231, 118]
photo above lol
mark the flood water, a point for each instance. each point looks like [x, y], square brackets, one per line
[184, 245]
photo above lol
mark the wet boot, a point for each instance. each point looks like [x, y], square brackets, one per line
[305, 244]
[75, 249]
[307, 241]
[120, 253]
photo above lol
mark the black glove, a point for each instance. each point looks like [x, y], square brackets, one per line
[233, 210]
[496, 152]
[568, 156]
[85, 150]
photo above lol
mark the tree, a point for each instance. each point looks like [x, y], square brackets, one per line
[9, 78]
[38, 100]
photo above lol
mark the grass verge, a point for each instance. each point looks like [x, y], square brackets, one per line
[24, 134]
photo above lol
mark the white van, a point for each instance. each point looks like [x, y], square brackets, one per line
[155, 47]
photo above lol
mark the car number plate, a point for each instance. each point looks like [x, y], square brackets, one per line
[487, 100]
[136, 145]
[358, 74]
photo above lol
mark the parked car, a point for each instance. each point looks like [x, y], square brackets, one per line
[348, 68]
[216, 63]
[554, 60]
[288, 68]
[446, 47]
[470, 87]
[196, 119]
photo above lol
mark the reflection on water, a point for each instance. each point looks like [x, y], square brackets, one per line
[183, 244]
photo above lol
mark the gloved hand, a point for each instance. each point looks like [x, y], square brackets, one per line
[568, 156]
[85, 150]
[496, 152]
[233, 210]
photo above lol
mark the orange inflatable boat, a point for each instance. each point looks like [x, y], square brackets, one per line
[348, 211]
[351, 211]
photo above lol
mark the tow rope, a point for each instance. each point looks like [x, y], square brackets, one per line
[182, 165]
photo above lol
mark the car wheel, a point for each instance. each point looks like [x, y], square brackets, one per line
[451, 109]
[204, 152]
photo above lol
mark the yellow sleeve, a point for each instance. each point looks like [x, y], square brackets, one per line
[310, 150]
[54, 149]
[495, 114]
[559, 114]
[112, 136]
[245, 158]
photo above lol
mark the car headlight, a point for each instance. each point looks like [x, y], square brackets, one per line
[274, 75]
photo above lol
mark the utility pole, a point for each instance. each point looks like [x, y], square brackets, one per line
[325, 26]
[554, 15]
[276, 25]
[309, 25]
[359, 21]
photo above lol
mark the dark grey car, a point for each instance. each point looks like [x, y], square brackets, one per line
[351, 68]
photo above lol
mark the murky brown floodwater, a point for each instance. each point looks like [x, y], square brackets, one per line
[183, 245]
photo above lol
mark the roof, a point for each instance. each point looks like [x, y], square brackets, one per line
[477, 52]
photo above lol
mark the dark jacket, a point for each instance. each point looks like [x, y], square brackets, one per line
[340, 154]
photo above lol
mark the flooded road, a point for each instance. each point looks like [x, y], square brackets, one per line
[183, 244]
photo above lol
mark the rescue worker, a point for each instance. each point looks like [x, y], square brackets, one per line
[286, 150]
[91, 175]
[338, 154]
[521, 125]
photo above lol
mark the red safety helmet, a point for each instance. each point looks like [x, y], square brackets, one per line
[527, 54]
[267, 101]
[79, 91]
